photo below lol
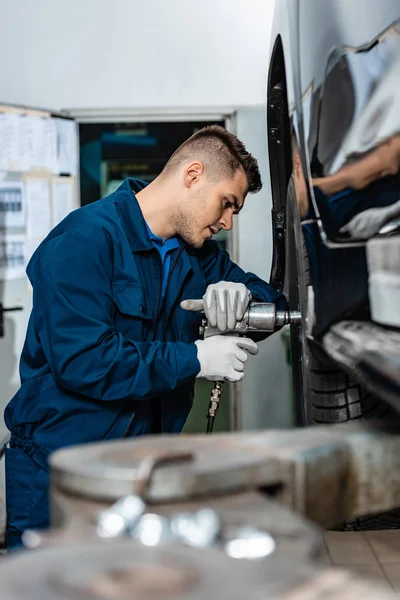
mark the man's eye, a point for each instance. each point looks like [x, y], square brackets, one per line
[227, 204]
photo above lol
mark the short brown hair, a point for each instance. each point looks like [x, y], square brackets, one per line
[222, 151]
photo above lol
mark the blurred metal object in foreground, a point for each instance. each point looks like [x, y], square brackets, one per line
[359, 463]
[239, 517]
[123, 570]
[252, 485]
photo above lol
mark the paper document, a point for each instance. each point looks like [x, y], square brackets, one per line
[63, 198]
[12, 256]
[68, 152]
[26, 142]
[9, 128]
[38, 207]
[45, 140]
[12, 204]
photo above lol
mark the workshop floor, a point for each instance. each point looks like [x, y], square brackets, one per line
[371, 554]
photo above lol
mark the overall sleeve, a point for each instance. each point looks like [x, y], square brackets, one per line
[217, 266]
[74, 307]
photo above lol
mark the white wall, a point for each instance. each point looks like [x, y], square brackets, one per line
[134, 53]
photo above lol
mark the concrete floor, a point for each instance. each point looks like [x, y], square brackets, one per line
[374, 555]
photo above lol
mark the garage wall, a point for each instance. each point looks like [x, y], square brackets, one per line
[119, 53]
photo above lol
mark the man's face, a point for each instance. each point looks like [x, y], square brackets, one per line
[209, 207]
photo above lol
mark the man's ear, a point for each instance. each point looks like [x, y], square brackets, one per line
[193, 172]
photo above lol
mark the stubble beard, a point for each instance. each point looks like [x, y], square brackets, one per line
[186, 220]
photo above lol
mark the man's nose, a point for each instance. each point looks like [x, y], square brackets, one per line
[226, 221]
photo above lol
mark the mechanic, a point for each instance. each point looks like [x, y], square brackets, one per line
[109, 352]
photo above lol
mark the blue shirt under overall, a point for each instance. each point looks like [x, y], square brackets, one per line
[164, 249]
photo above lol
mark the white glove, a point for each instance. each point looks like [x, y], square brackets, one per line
[222, 357]
[224, 304]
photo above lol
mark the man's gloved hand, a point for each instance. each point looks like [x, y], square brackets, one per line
[222, 357]
[224, 304]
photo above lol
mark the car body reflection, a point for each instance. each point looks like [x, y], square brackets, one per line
[333, 115]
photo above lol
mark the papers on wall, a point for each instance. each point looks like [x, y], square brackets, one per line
[12, 256]
[63, 198]
[48, 201]
[38, 207]
[67, 136]
[26, 144]
[29, 141]
[9, 125]
[45, 143]
[12, 204]
[35, 149]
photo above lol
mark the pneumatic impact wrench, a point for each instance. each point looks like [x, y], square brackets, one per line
[262, 317]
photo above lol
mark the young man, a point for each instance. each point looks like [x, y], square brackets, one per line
[110, 352]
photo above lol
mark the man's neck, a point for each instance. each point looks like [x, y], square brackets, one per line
[157, 209]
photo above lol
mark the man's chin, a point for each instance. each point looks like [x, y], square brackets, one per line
[194, 243]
